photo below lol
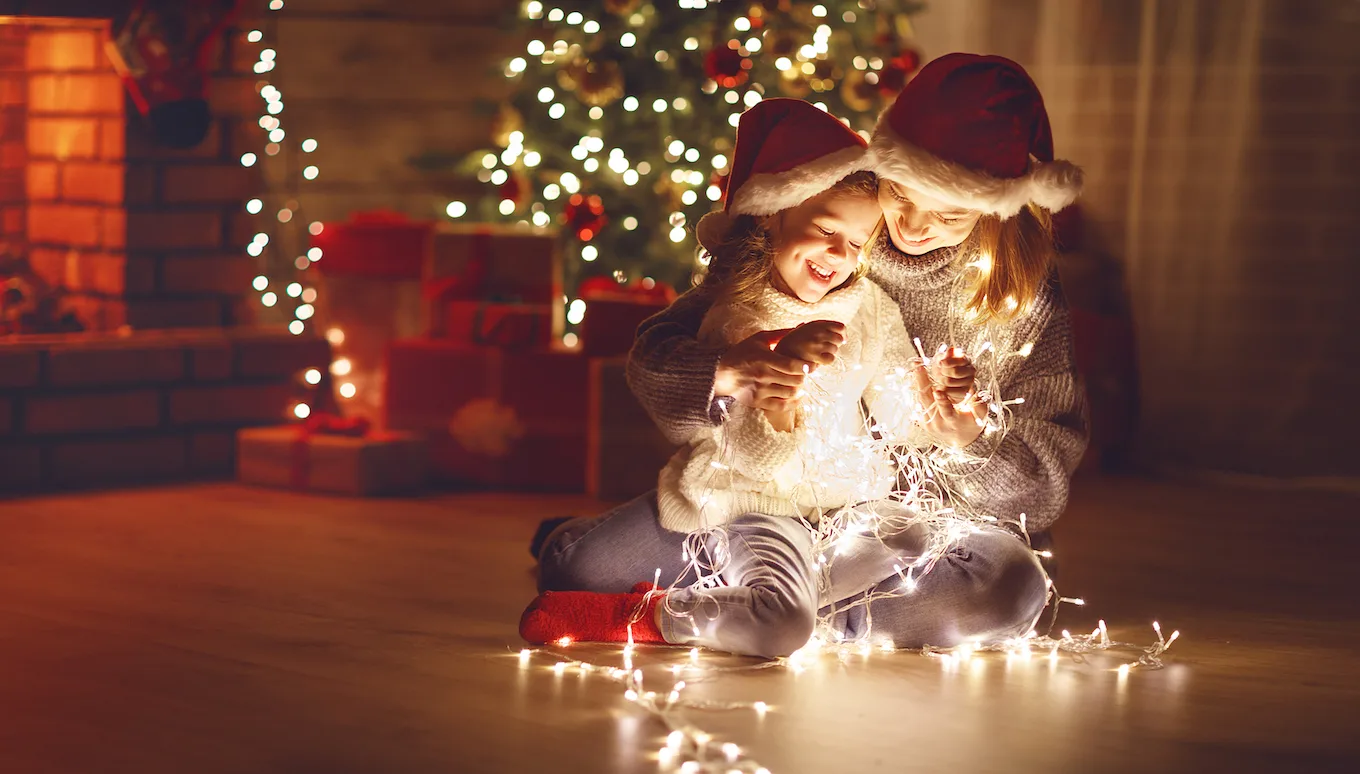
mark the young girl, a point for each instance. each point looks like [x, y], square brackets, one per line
[787, 272]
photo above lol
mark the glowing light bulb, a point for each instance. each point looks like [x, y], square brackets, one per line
[310, 172]
[341, 366]
[312, 376]
[255, 36]
[314, 254]
[456, 209]
[659, 105]
[589, 253]
[630, 104]
[302, 411]
[557, 110]
[248, 159]
[627, 40]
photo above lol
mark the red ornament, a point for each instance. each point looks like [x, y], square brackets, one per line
[585, 216]
[898, 71]
[513, 189]
[727, 66]
[909, 59]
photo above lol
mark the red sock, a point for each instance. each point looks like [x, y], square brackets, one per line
[586, 616]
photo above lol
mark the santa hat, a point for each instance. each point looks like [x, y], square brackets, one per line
[972, 131]
[787, 152]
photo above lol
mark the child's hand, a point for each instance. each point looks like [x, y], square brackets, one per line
[954, 373]
[816, 342]
[758, 376]
[950, 424]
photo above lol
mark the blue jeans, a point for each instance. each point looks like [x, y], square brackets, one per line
[987, 587]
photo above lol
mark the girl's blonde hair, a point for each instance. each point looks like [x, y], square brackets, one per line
[1014, 259]
[740, 265]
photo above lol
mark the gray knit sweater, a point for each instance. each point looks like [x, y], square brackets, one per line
[1026, 469]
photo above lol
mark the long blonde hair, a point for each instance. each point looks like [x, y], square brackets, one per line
[741, 264]
[1014, 258]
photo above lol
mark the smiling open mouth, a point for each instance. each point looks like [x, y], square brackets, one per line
[820, 272]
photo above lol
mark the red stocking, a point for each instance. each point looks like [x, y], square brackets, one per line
[163, 51]
[585, 616]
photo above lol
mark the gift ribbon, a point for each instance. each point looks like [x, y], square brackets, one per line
[512, 331]
[300, 458]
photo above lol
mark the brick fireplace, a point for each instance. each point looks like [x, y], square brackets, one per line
[143, 247]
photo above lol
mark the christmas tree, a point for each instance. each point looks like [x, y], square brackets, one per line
[623, 113]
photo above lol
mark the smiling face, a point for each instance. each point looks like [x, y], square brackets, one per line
[918, 223]
[817, 244]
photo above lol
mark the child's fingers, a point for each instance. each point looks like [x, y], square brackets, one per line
[944, 407]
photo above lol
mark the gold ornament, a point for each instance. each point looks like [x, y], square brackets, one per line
[600, 84]
[857, 93]
[507, 120]
[595, 83]
[793, 83]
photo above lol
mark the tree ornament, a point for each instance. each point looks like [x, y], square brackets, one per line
[585, 216]
[163, 50]
[507, 121]
[793, 83]
[621, 7]
[599, 83]
[515, 187]
[726, 66]
[856, 91]
[898, 71]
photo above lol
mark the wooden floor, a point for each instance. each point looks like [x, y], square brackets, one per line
[216, 628]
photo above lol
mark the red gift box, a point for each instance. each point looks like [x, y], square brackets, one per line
[371, 463]
[381, 244]
[494, 263]
[625, 450]
[493, 417]
[511, 326]
[614, 312]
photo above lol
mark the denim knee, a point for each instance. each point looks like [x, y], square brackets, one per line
[1010, 586]
[785, 624]
[558, 563]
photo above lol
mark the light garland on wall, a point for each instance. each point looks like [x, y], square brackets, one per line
[303, 295]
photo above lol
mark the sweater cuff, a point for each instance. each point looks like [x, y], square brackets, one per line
[984, 446]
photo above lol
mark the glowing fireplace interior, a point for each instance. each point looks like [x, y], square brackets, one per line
[64, 226]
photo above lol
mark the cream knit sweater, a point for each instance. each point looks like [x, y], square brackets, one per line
[1026, 470]
[744, 465]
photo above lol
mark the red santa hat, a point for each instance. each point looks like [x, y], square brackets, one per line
[972, 131]
[787, 152]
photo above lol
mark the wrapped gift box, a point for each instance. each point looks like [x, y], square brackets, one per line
[613, 313]
[511, 326]
[375, 245]
[611, 322]
[493, 417]
[378, 463]
[496, 262]
[625, 450]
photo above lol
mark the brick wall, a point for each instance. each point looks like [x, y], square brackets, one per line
[186, 220]
[92, 410]
[137, 234]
